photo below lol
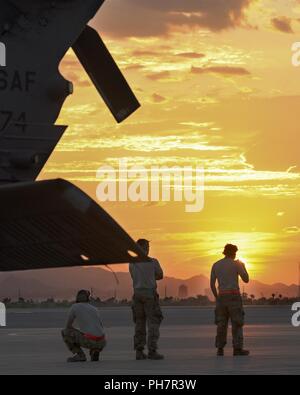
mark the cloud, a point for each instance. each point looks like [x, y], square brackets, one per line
[145, 53]
[134, 67]
[270, 124]
[163, 75]
[72, 71]
[145, 18]
[191, 55]
[158, 98]
[283, 24]
[77, 79]
[292, 230]
[223, 70]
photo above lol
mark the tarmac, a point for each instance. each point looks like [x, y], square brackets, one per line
[31, 344]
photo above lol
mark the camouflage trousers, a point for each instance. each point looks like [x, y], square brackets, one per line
[146, 312]
[230, 307]
[75, 341]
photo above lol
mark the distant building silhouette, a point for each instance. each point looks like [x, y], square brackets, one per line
[183, 292]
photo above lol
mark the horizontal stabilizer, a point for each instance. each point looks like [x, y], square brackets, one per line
[51, 224]
[105, 74]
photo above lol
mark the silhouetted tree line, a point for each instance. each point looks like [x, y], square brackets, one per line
[200, 300]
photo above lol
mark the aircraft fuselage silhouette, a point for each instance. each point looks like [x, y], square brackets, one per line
[35, 35]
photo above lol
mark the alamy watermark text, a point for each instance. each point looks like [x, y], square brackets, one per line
[2, 55]
[157, 184]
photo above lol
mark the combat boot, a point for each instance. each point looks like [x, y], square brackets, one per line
[140, 355]
[77, 358]
[220, 352]
[239, 352]
[155, 356]
[95, 354]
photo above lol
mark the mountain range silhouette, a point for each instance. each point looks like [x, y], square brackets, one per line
[64, 283]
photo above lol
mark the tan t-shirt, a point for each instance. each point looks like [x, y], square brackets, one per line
[87, 319]
[145, 274]
[227, 271]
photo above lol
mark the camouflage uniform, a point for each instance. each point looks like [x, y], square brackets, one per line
[75, 340]
[230, 307]
[146, 310]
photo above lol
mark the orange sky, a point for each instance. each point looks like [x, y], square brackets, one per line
[218, 90]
